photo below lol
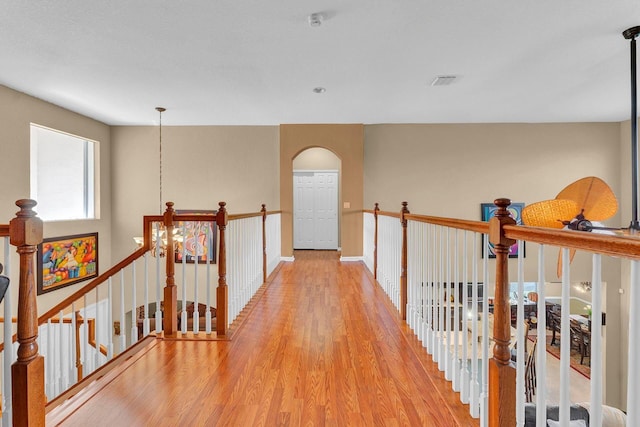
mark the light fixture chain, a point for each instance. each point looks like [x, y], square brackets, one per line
[160, 110]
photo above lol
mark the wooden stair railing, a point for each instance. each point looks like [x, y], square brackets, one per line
[26, 232]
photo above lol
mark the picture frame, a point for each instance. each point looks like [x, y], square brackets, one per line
[199, 237]
[488, 211]
[66, 260]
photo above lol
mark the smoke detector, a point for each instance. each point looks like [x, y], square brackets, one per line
[443, 80]
[315, 19]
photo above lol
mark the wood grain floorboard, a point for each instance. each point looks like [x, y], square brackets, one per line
[322, 346]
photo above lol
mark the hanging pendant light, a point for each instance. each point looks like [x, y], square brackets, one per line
[159, 233]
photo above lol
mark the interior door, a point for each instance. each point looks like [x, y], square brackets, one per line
[315, 206]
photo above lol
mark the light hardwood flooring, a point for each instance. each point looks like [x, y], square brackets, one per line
[321, 346]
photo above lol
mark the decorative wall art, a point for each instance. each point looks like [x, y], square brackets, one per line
[63, 261]
[199, 239]
[488, 211]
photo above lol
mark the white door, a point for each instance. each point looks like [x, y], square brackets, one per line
[315, 210]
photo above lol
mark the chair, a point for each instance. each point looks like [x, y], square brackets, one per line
[530, 382]
[554, 325]
[583, 342]
[202, 311]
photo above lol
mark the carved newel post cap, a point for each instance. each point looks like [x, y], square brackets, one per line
[377, 206]
[169, 205]
[26, 227]
[222, 204]
[264, 208]
[502, 202]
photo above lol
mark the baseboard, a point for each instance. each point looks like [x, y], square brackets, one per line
[351, 258]
[287, 258]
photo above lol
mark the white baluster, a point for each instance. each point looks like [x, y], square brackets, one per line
[633, 375]
[183, 313]
[146, 324]
[456, 315]
[60, 359]
[134, 305]
[484, 396]
[123, 327]
[448, 355]
[475, 384]
[541, 351]
[464, 377]
[109, 319]
[196, 317]
[520, 355]
[159, 296]
[85, 339]
[209, 252]
[441, 301]
[565, 343]
[7, 354]
[597, 378]
[50, 365]
[96, 323]
[74, 371]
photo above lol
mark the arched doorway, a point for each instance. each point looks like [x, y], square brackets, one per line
[347, 142]
[316, 198]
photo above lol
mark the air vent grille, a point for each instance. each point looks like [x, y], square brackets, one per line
[443, 80]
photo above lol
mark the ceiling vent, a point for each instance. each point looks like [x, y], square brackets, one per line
[443, 80]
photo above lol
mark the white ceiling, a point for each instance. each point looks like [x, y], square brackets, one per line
[224, 62]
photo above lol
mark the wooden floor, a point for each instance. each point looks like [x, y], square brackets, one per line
[321, 346]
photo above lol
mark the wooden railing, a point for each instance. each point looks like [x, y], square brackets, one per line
[28, 373]
[431, 268]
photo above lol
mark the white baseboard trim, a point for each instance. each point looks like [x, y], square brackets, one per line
[351, 258]
[287, 258]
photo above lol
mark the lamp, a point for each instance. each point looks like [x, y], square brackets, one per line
[159, 235]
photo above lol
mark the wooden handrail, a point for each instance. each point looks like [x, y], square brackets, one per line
[475, 226]
[391, 214]
[92, 285]
[233, 217]
[617, 246]
[4, 230]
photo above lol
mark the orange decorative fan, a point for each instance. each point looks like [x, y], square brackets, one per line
[576, 207]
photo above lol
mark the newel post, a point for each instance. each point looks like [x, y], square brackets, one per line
[27, 373]
[222, 291]
[376, 209]
[170, 290]
[403, 262]
[264, 243]
[502, 375]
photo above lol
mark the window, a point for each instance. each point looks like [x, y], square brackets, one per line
[62, 174]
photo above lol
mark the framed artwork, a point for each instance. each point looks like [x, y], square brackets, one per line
[198, 239]
[488, 211]
[63, 261]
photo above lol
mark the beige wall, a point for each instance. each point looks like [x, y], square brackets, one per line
[345, 141]
[17, 111]
[202, 165]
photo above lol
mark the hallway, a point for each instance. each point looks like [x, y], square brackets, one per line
[320, 346]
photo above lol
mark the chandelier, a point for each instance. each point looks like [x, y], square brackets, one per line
[159, 233]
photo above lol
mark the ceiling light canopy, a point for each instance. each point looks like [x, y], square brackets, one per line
[319, 89]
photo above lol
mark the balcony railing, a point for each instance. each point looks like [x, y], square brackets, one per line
[459, 304]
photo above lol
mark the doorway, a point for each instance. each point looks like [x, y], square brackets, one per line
[315, 209]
